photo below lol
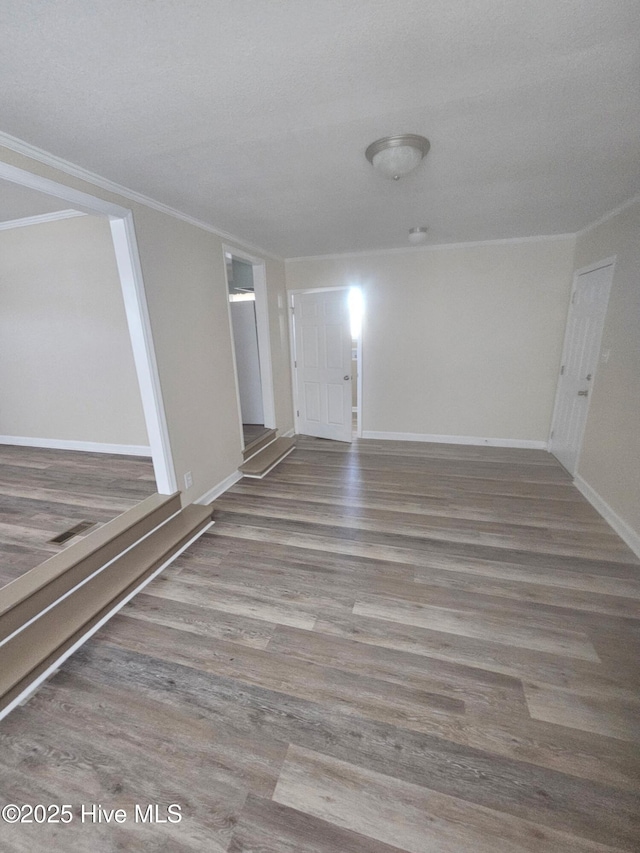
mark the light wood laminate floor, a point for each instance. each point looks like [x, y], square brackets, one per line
[379, 648]
[44, 492]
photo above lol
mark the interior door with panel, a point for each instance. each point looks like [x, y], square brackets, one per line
[579, 362]
[322, 346]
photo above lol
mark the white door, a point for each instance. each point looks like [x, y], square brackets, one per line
[322, 345]
[579, 362]
[245, 340]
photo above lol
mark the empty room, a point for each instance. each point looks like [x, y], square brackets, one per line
[320, 426]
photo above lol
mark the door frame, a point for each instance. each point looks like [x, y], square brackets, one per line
[135, 302]
[605, 262]
[292, 355]
[259, 270]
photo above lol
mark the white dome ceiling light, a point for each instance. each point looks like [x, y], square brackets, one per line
[418, 235]
[396, 156]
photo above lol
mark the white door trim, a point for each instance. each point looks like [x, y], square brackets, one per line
[262, 327]
[292, 354]
[359, 384]
[317, 289]
[133, 292]
[292, 348]
[606, 262]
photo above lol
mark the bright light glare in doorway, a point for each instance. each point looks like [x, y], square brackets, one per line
[356, 310]
[242, 297]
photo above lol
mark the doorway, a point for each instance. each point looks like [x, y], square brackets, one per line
[74, 449]
[326, 342]
[133, 293]
[580, 358]
[249, 320]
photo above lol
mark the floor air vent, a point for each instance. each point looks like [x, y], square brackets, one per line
[76, 530]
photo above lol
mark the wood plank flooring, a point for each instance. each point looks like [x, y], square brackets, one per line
[44, 492]
[379, 648]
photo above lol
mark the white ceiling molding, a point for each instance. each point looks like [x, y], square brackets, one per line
[39, 219]
[531, 109]
[34, 153]
[406, 250]
[616, 210]
[48, 159]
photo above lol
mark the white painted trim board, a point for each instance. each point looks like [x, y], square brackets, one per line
[456, 439]
[624, 530]
[68, 168]
[219, 489]
[40, 219]
[82, 446]
[133, 293]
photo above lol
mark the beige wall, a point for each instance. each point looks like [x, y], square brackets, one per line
[183, 269]
[66, 364]
[457, 341]
[610, 457]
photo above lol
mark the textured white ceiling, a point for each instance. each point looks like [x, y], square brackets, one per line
[18, 202]
[254, 115]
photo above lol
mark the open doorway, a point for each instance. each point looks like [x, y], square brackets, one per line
[248, 317]
[326, 355]
[43, 461]
[580, 358]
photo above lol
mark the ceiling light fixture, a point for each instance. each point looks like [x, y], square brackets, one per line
[418, 235]
[396, 156]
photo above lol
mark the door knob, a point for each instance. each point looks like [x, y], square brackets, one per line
[582, 393]
[347, 378]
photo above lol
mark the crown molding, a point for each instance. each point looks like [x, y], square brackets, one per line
[55, 162]
[410, 250]
[616, 210]
[40, 155]
[38, 220]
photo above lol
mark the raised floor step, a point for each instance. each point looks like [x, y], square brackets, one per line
[258, 443]
[43, 642]
[266, 459]
[29, 594]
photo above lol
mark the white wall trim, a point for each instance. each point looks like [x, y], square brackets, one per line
[456, 439]
[48, 159]
[621, 527]
[34, 153]
[289, 433]
[132, 286]
[597, 265]
[259, 273]
[616, 210]
[31, 688]
[218, 490]
[39, 219]
[402, 250]
[139, 323]
[82, 446]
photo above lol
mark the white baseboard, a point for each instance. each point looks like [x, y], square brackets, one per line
[289, 433]
[456, 439]
[84, 446]
[624, 530]
[222, 487]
